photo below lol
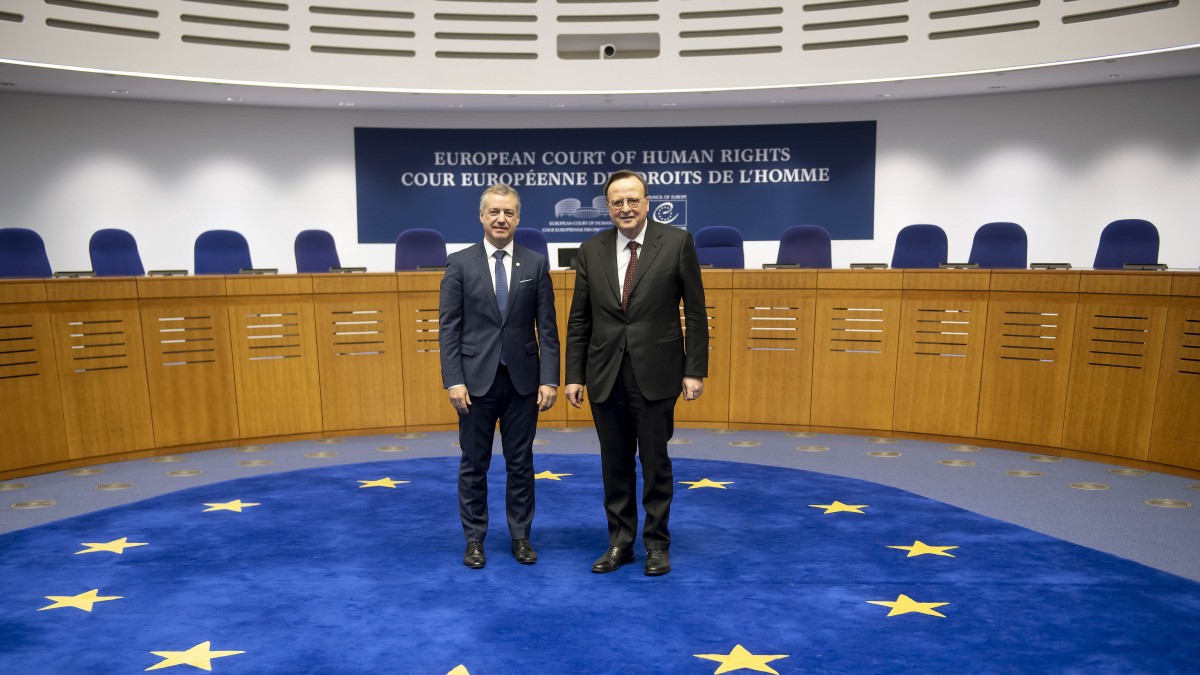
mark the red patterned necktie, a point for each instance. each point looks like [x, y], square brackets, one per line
[629, 271]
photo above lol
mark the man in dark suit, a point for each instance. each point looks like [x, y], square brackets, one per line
[499, 352]
[625, 344]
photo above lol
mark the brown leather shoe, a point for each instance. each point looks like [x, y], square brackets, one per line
[658, 562]
[523, 552]
[612, 560]
[474, 555]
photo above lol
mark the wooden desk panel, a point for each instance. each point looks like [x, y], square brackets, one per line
[1126, 282]
[102, 377]
[1114, 379]
[31, 418]
[771, 356]
[557, 416]
[1026, 367]
[189, 366]
[359, 352]
[425, 401]
[275, 365]
[940, 358]
[854, 358]
[1114, 374]
[1175, 433]
[713, 404]
[564, 286]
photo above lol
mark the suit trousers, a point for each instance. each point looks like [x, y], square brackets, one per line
[629, 425]
[517, 415]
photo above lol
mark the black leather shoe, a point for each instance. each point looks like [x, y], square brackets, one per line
[658, 562]
[474, 556]
[612, 560]
[523, 552]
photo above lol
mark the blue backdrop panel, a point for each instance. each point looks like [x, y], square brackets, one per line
[760, 179]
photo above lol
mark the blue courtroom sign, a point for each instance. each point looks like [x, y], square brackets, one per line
[759, 179]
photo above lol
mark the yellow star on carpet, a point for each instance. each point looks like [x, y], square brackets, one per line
[461, 669]
[82, 601]
[921, 548]
[905, 605]
[739, 659]
[200, 656]
[117, 546]
[550, 475]
[235, 505]
[838, 507]
[381, 482]
[704, 482]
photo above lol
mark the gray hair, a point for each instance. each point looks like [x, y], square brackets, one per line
[502, 190]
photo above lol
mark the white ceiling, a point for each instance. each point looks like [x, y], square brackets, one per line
[30, 79]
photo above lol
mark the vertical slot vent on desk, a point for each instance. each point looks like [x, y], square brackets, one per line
[1118, 341]
[98, 345]
[18, 352]
[358, 332]
[1030, 335]
[943, 332]
[186, 340]
[273, 336]
[773, 329]
[1189, 362]
[427, 330]
[857, 330]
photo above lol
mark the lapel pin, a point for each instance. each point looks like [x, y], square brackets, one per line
[517, 264]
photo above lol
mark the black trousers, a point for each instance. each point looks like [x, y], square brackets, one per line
[631, 426]
[517, 415]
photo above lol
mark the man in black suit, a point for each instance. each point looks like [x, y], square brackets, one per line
[625, 344]
[499, 352]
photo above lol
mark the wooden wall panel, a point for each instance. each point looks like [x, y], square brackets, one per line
[1114, 374]
[771, 356]
[940, 358]
[275, 365]
[425, 401]
[1026, 367]
[359, 352]
[189, 366]
[31, 418]
[102, 376]
[854, 358]
[1175, 434]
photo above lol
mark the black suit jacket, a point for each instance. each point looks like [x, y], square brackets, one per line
[598, 330]
[471, 335]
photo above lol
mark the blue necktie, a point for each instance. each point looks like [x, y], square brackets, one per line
[501, 285]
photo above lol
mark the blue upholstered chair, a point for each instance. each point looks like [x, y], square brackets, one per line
[114, 253]
[532, 239]
[721, 247]
[222, 252]
[806, 246]
[1127, 241]
[1000, 246]
[420, 247]
[23, 253]
[316, 252]
[919, 247]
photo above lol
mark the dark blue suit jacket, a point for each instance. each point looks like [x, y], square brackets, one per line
[470, 332]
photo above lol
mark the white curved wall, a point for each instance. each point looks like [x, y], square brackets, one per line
[1062, 163]
[546, 46]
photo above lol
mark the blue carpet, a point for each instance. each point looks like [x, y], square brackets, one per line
[326, 575]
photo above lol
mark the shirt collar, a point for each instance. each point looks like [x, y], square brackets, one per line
[491, 250]
[623, 241]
